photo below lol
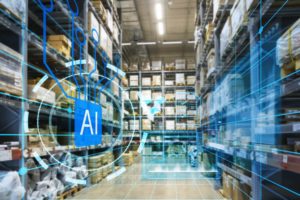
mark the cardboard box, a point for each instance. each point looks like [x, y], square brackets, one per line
[180, 110]
[134, 95]
[146, 66]
[146, 124]
[133, 67]
[68, 87]
[180, 126]
[10, 71]
[93, 23]
[191, 125]
[156, 65]
[156, 95]
[170, 96]
[225, 35]
[103, 38]
[180, 79]
[191, 80]
[156, 80]
[170, 110]
[134, 80]
[180, 95]
[109, 21]
[147, 95]
[41, 94]
[146, 81]
[116, 33]
[227, 185]
[109, 49]
[61, 44]
[180, 64]
[134, 125]
[170, 125]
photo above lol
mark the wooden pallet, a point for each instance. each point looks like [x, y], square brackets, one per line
[68, 193]
[180, 84]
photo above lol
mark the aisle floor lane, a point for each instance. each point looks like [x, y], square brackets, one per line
[131, 186]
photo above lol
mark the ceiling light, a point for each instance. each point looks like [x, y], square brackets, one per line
[170, 3]
[146, 43]
[159, 11]
[160, 28]
[126, 44]
[173, 42]
[191, 42]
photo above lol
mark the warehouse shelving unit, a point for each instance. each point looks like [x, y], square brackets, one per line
[167, 137]
[24, 36]
[259, 152]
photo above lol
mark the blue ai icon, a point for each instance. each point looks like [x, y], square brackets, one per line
[88, 124]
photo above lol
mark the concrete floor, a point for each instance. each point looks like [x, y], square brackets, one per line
[130, 185]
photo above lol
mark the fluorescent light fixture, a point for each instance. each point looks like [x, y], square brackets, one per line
[159, 11]
[126, 44]
[160, 28]
[173, 42]
[191, 42]
[146, 43]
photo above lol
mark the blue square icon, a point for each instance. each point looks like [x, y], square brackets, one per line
[88, 124]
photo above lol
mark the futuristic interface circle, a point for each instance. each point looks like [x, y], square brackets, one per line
[69, 110]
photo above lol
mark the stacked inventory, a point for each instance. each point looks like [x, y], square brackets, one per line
[44, 106]
[245, 120]
[163, 100]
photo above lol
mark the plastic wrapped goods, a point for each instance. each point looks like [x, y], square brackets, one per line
[10, 186]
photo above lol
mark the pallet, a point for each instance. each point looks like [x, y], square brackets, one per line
[180, 84]
[170, 68]
[68, 193]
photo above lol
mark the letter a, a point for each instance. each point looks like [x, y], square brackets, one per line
[84, 125]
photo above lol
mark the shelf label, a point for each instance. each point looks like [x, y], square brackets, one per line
[88, 124]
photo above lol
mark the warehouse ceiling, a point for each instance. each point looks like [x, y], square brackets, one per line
[140, 25]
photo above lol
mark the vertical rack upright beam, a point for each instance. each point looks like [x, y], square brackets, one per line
[24, 105]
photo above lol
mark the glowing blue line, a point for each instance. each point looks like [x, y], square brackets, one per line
[40, 161]
[76, 62]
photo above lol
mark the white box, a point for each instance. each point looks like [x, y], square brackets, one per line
[41, 94]
[116, 33]
[146, 124]
[125, 125]
[191, 125]
[191, 66]
[180, 95]
[156, 65]
[147, 95]
[191, 80]
[134, 125]
[180, 63]
[191, 96]
[146, 81]
[146, 66]
[93, 23]
[156, 80]
[156, 95]
[191, 112]
[180, 79]
[103, 99]
[109, 21]
[170, 96]
[225, 35]
[104, 113]
[170, 110]
[103, 38]
[169, 83]
[115, 88]
[133, 67]
[237, 15]
[180, 110]
[134, 80]
[170, 125]
[134, 96]
[109, 49]
[180, 126]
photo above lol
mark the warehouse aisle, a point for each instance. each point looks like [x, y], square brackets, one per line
[130, 186]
